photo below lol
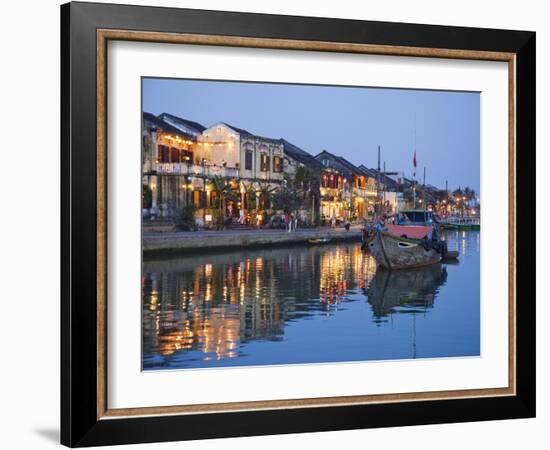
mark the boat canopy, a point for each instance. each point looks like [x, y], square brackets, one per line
[409, 231]
[418, 216]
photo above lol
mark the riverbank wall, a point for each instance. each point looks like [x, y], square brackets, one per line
[196, 242]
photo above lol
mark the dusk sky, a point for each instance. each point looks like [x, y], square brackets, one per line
[347, 121]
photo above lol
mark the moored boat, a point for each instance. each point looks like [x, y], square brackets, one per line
[462, 223]
[404, 247]
[323, 240]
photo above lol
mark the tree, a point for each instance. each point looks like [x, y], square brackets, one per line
[458, 193]
[302, 179]
[266, 193]
[222, 186]
[470, 194]
[306, 184]
[286, 199]
[441, 196]
[185, 218]
[250, 193]
[460, 199]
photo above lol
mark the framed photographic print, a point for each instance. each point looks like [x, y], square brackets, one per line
[277, 224]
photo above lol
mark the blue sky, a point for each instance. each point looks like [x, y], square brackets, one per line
[348, 121]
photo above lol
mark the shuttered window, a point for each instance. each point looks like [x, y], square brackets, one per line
[164, 154]
[277, 164]
[248, 160]
[264, 163]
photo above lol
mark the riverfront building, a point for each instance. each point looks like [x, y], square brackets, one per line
[347, 191]
[181, 158]
[305, 170]
[184, 163]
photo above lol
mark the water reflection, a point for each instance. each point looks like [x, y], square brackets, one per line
[405, 291]
[281, 306]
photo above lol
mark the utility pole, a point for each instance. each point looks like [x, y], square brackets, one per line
[424, 183]
[378, 176]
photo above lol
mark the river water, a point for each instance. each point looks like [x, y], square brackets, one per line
[308, 304]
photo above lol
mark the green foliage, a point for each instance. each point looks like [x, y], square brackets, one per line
[266, 195]
[218, 220]
[251, 195]
[468, 193]
[185, 218]
[286, 199]
[305, 180]
[222, 186]
[443, 196]
[146, 196]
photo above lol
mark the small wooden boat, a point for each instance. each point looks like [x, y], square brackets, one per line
[367, 235]
[318, 241]
[406, 247]
[462, 223]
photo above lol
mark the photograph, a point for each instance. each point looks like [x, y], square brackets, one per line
[290, 222]
[307, 224]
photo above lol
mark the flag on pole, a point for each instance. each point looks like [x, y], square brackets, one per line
[414, 162]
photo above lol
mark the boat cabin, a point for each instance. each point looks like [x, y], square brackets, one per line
[415, 217]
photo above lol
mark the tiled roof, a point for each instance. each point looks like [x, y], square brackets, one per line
[367, 172]
[244, 132]
[350, 166]
[197, 126]
[238, 130]
[341, 161]
[300, 155]
[166, 127]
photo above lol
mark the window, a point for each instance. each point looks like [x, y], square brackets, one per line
[325, 162]
[186, 156]
[277, 164]
[199, 199]
[264, 163]
[174, 155]
[164, 154]
[248, 160]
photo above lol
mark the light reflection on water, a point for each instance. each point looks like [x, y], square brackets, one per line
[305, 305]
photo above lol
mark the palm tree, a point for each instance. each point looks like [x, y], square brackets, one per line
[470, 193]
[250, 192]
[461, 198]
[266, 193]
[223, 188]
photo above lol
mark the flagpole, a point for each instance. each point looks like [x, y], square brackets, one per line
[414, 179]
[414, 165]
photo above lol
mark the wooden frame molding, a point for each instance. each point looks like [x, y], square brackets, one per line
[103, 36]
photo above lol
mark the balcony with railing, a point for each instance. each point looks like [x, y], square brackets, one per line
[196, 170]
